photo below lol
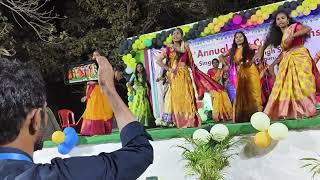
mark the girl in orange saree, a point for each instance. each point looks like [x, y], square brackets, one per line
[221, 105]
[248, 88]
[293, 93]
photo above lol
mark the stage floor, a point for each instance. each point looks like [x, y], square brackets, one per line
[162, 133]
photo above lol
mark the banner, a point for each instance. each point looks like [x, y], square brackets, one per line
[205, 49]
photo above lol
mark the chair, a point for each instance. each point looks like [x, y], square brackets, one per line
[64, 115]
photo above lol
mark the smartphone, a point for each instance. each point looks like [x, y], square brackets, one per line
[80, 72]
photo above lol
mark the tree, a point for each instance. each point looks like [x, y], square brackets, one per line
[34, 31]
[29, 13]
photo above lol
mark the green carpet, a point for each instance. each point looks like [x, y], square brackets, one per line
[168, 133]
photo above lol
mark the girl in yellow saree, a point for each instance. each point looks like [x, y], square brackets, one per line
[181, 95]
[248, 88]
[293, 93]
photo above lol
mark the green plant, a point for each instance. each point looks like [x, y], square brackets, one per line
[207, 160]
[313, 164]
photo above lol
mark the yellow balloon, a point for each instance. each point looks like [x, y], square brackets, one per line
[259, 12]
[225, 18]
[262, 139]
[305, 3]
[294, 13]
[206, 30]
[300, 9]
[260, 20]
[57, 137]
[216, 29]
[313, 6]
[254, 18]
[210, 25]
[306, 12]
[265, 16]
[215, 21]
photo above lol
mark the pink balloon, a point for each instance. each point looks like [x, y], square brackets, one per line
[237, 19]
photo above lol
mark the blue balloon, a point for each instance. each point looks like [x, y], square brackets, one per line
[69, 130]
[64, 149]
[71, 140]
[130, 98]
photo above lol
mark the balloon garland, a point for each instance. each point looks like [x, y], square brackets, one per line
[232, 21]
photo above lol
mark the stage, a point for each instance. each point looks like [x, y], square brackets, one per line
[279, 161]
[163, 133]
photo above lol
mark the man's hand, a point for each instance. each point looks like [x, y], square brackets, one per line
[105, 75]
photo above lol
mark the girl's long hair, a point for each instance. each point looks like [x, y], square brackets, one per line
[247, 52]
[275, 34]
[144, 74]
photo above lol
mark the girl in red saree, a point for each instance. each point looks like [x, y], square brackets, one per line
[293, 93]
[180, 99]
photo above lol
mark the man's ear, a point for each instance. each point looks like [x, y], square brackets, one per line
[33, 119]
[37, 119]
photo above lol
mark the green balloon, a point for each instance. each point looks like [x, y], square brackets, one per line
[148, 42]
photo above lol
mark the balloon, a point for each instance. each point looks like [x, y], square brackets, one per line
[129, 56]
[58, 137]
[294, 13]
[128, 70]
[278, 131]
[148, 42]
[265, 16]
[259, 12]
[211, 25]
[69, 130]
[313, 6]
[215, 20]
[141, 46]
[64, 149]
[305, 3]
[206, 30]
[260, 20]
[300, 9]
[219, 132]
[201, 135]
[260, 121]
[71, 140]
[216, 29]
[237, 19]
[306, 12]
[262, 139]
[132, 60]
[254, 17]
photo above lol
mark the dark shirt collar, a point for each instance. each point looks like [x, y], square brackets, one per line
[14, 150]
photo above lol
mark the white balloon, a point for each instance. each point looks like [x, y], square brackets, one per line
[278, 131]
[128, 70]
[260, 121]
[201, 135]
[219, 132]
